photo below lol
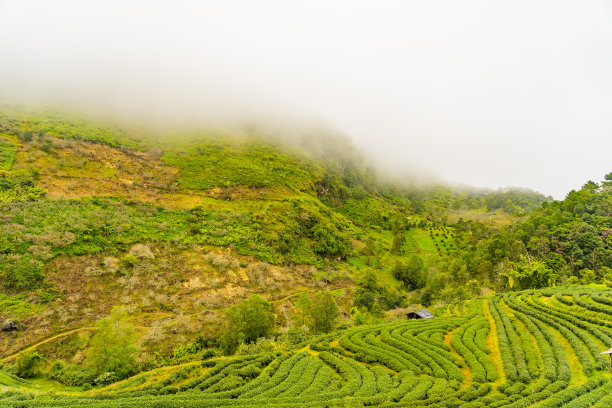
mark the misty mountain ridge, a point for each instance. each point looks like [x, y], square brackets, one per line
[317, 141]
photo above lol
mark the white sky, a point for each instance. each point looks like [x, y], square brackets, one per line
[488, 93]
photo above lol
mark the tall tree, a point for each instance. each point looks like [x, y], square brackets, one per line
[247, 322]
[324, 312]
[607, 183]
[302, 306]
[113, 346]
[398, 229]
[411, 272]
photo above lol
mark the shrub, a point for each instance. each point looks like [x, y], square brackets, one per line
[130, 260]
[29, 364]
[208, 354]
[141, 251]
[71, 375]
[106, 378]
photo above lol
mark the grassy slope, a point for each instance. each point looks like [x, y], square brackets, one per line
[108, 189]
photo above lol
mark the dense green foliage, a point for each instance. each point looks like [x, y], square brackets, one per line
[511, 201]
[7, 152]
[247, 322]
[320, 198]
[563, 241]
[113, 346]
[323, 312]
[26, 124]
[34, 232]
[18, 186]
[226, 162]
[28, 364]
[410, 272]
[318, 312]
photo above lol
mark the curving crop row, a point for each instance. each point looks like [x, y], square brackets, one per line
[577, 333]
[480, 364]
[510, 349]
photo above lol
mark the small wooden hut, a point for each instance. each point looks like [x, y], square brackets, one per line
[610, 353]
[420, 314]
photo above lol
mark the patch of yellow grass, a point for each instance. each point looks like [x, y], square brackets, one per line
[493, 345]
[578, 376]
[310, 351]
[465, 370]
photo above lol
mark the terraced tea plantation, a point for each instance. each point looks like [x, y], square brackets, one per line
[535, 348]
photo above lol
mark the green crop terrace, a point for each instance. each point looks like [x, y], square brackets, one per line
[531, 348]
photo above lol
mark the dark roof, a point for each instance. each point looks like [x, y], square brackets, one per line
[423, 313]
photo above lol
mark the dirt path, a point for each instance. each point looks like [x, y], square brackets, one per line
[291, 295]
[56, 336]
[47, 340]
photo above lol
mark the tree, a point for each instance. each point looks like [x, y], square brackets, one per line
[364, 299]
[370, 246]
[247, 322]
[473, 287]
[527, 274]
[411, 272]
[258, 317]
[28, 364]
[302, 306]
[555, 263]
[517, 249]
[113, 347]
[485, 269]
[607, 184]
[587, 276]
[587, 246]
[367, 279]
[397, 243]
[510, 208]
[324, 312]
[591, 187]
[398, 230]
[426, 297]
[539, 245]
[231, 332]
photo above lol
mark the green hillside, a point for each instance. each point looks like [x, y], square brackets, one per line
[206, 267]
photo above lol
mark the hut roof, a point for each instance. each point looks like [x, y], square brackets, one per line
[423, 313]
[606, 352]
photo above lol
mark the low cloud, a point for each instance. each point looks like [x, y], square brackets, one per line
[478, 92]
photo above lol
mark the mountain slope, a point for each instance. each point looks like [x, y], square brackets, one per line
[175, 228]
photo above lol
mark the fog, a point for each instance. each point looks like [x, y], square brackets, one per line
[487, 93]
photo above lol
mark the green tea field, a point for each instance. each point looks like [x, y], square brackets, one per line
[532, 348]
